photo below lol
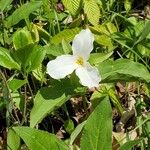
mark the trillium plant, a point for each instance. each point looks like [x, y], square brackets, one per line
[65, 64]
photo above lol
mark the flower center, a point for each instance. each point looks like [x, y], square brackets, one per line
[80, 61]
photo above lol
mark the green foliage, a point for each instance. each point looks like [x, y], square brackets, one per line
[67, 34]
[123, 70]
[96, 58]
[76, 132]
[97, 132]
[46, 100]
[130, 144]
[4, 4]
[39, 140]
[22, 38]
[15, 84]
[30, 56]
[128, 5]
[73, 6]
[13, 140]
[6, 60]
[34, 32]
[22, 12]
[92, 11]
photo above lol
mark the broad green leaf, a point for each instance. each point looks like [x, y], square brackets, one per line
[4, 4]
[54, 50]
[144, 33]
[66, 47]
[76, 132]
[15, 84]
[105, 28]
[92, 11]
[6, 60]
[40, 140]
[22, 38]
[22, 12]
[123, 70]
[72, 5]
[96, 58]
[13, 140]
[30, 56]
[36, 58]
[97, 132]
[49, 98]
[129, 145]
[23, 55]
[110, 27]
[103, 40]
[67, 34]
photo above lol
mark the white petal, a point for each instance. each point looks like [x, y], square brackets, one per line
[88, 75]
[83, 43]
[61, 67]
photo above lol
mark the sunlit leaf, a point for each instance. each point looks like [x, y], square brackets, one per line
[49, 98]
[67, 34]
[6, 60]
[92, 11]
[23, 12]
[13, 140]
[72, 5]
[97, 132]
[40, 140]
[4, 4]
[123, 70]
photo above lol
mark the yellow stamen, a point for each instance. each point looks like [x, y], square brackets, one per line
[80, 61]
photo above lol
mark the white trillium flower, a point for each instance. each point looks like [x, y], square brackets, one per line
[65, 64]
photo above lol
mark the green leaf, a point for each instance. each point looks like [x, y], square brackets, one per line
[97, 132]
[67, 34]
[49, 98]
[69, 126]
[54, 50]
[18, 100]
[23, 54]
[144, 33]
[66, 47]
[36, 58]
[6, 60]
[103, 40]
[22, 38]
[92, 11]
[30, 56]
[40, 140]
[13, 140]
[15, 84]
[72, 5]
[22, 12]
[129, 145]
[76, 132]
[96, 58]
[43, 33]
[39, 73]
[123, 70]
[116, 101]
[128, 5]
[4, 4]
